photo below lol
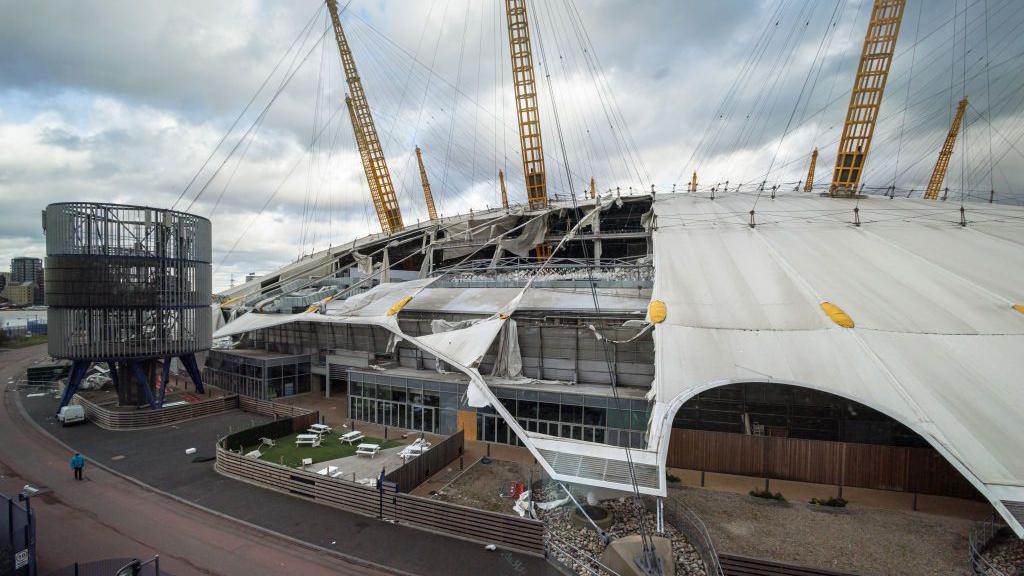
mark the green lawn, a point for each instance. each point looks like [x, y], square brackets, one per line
[286, 452]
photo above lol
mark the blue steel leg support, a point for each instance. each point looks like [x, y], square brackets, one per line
[189, 360]
[141, 377]
[78, 369]
[164, 374]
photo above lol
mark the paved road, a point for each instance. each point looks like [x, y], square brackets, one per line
[106, 516]
[156, 457]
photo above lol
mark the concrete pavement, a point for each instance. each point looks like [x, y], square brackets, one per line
[106, 516]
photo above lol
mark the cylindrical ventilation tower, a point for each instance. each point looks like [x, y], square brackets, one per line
[129, 286]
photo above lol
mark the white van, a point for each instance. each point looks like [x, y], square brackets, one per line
[71, 414]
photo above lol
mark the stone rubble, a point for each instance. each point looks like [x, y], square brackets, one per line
[559, 522]
[1007, 554]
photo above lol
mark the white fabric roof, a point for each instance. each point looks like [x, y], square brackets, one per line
[936, 343]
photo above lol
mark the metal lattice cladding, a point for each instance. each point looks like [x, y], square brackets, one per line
[526, 103]
[866, 96]
[427, 196]
[126, 282]
[942, 164]
[382, 190]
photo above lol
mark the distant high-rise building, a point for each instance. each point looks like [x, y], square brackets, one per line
[25, 269]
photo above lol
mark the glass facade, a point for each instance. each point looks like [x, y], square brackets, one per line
[581, 417]
[420, 404]
[403, 402]
[263, 378]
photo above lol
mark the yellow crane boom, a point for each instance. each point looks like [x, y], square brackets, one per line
[866, 96]
[427, 196]
[809, 185]
[526, 103]
[942, 164]
[382, 190]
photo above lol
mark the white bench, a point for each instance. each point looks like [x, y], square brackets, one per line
[352, 437]
[312, 440]
[370, 450]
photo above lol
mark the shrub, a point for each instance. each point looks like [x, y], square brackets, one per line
[831, 502]
[672, 478]
[767, 494]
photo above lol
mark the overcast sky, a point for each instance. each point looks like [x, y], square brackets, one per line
[125, 101]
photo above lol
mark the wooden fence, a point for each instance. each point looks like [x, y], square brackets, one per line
[136, 419]
[481, 526]
[417, 470]
[920, 470]
[110, 419]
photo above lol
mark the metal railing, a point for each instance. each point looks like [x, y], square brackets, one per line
[979, 540]
[690, 524]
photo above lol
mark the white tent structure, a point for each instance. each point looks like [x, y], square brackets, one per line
[936, 340]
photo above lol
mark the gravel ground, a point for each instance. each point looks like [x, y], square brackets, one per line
[865, 541]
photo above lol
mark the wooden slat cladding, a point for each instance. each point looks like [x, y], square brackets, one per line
[733, 565]
[433, 515]
[921, 470]
[147, 418]
[417, 470]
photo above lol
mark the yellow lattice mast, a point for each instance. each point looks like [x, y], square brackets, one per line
[526, 103]
[364, 155]
[809, 185]
[693, 182]
[866, 96]
[427, 196]
[593, 191]
[382, 190]
[942, 164]
[504, 194]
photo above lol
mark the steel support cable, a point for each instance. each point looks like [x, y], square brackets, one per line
[906, 98]
[938, 93]
[306, 208]
[648, 545]
[624, 132]
[248, 132]
[764, 117]
[277, 189]
[255, 95]
[399, 48]
[584, 136]
[455, 104]
[720, 110]
[899, 55]
[741, 86]
[803, 88]
[602, 88]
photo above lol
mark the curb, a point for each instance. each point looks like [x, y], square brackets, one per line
[308, 545]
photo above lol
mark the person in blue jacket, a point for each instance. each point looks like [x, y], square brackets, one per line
[77, 464]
